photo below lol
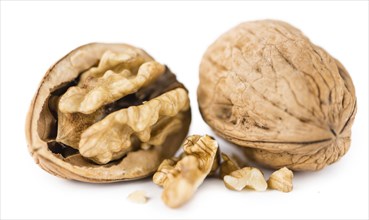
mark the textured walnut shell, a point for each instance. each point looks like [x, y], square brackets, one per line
[42, 125]
[264, 86]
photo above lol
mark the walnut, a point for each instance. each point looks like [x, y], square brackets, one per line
[264, 86]
[247, 177]
[107, 113]
[281, 180]
[181, 176]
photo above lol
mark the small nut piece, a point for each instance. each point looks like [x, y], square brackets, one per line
[246, 177]
[107, 113]
[281, 180]
[214, 172]
[181, 177]
[228, 165]
[138, 196]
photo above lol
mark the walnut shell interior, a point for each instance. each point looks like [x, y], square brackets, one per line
[264, 86]
[54, 140]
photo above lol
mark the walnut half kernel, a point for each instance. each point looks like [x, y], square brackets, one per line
[180, 177]
[110, 138]
[107, 113]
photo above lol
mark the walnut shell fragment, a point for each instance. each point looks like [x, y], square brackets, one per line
[249, 177]
[107, 113]
[180, 177]
[264, 86]
[281, 180]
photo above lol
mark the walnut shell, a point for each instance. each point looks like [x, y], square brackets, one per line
[107, 113]
[264, 86]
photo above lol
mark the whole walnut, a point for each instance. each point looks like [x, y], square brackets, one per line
[107, 113]
[264, 86]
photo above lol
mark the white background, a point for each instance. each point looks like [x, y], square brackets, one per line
[36, 34]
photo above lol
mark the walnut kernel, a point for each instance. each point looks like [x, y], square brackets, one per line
[138, 196]
[180, 177]
[249, 177]
[281, 180]
[107, 113]
[228, 165]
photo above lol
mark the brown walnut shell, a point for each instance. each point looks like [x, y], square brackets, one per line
[107, 113]
[264, 86]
